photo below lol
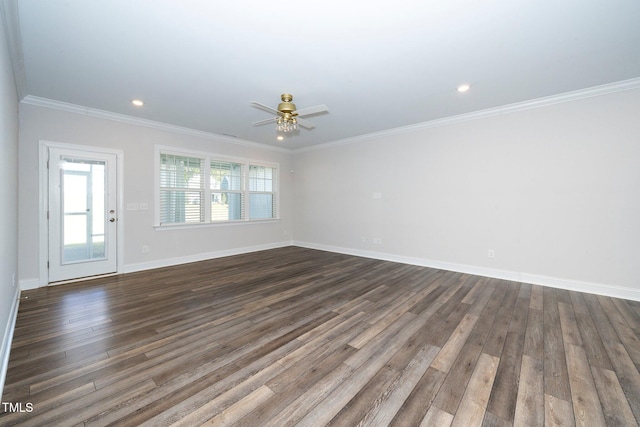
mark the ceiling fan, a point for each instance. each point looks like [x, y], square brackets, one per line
[286, 116]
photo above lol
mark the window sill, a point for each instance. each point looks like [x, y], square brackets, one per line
[170, 227]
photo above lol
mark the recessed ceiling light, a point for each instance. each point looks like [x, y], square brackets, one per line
[280, 138]
[137, 103]
[464, 88]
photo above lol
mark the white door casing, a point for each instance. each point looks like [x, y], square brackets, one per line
[82, 213]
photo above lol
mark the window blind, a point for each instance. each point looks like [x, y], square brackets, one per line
[181, 189]
[262, 196]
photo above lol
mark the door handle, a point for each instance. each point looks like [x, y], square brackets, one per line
[112, 220]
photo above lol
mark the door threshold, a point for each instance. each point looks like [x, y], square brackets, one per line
[81, 279]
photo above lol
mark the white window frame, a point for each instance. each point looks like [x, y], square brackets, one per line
[208, 158]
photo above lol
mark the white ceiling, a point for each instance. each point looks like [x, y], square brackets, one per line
[377, 64]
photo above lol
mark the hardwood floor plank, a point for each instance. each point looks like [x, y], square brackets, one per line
[530, 395]
[500, 327]
[436, 417]
[384, 409]
[534, 335]
[366, 362]
[415, 407]
[557, 412]
[450, 393]
[365, 400]
[239, 409]
[569, 325]
[299, 336]
[626, 334]
[627, 374]
[586, 404]
[476, 396]
[615, 406]
[290, 389]
[502, 401]
[631, 317]
[537, 298]
[591, 342]
[451, 349]
[556, 377]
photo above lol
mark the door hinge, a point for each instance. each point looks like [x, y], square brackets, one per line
[47, 264]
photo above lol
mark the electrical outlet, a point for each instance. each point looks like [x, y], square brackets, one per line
[145, 249]
[13, 278]
[491, 253]
[377, 241]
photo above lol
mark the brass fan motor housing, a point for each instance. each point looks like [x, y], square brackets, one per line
[286, 106]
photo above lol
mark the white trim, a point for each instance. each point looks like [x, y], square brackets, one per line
[123, 118]
[5, 348]
[535, 279]
[131, 268]
[43, 203]
[173, 227]
[489, 112]
[587, 287]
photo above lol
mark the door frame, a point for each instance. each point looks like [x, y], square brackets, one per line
[43, 204]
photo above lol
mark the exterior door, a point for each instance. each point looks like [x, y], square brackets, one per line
[82, 214]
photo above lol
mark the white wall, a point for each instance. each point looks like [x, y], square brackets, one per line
[8, 202]
[137, 142]
[554, 191]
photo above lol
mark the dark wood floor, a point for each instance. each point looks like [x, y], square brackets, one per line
[301, 337]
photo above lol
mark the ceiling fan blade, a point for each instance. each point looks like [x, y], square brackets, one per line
[264, 122]
[264, 107]
[305, 123]
[312, 110]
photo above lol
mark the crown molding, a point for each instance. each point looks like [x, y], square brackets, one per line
[123, 118]
[505, 109]
[489, 112]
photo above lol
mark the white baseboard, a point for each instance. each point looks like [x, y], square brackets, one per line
[535, 279]
[131, 268]
[5, 348]
[29, 284]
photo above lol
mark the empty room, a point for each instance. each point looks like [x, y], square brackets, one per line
[330, 213]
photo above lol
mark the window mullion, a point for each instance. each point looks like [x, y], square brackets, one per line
[207, 189]
[245, 190]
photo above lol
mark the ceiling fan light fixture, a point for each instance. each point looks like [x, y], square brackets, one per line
[287, 117]
[286, 106]
[286, 123]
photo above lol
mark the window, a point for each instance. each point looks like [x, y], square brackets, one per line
[261, 192]
[181, 189]
[226, 191]
[204, 188]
